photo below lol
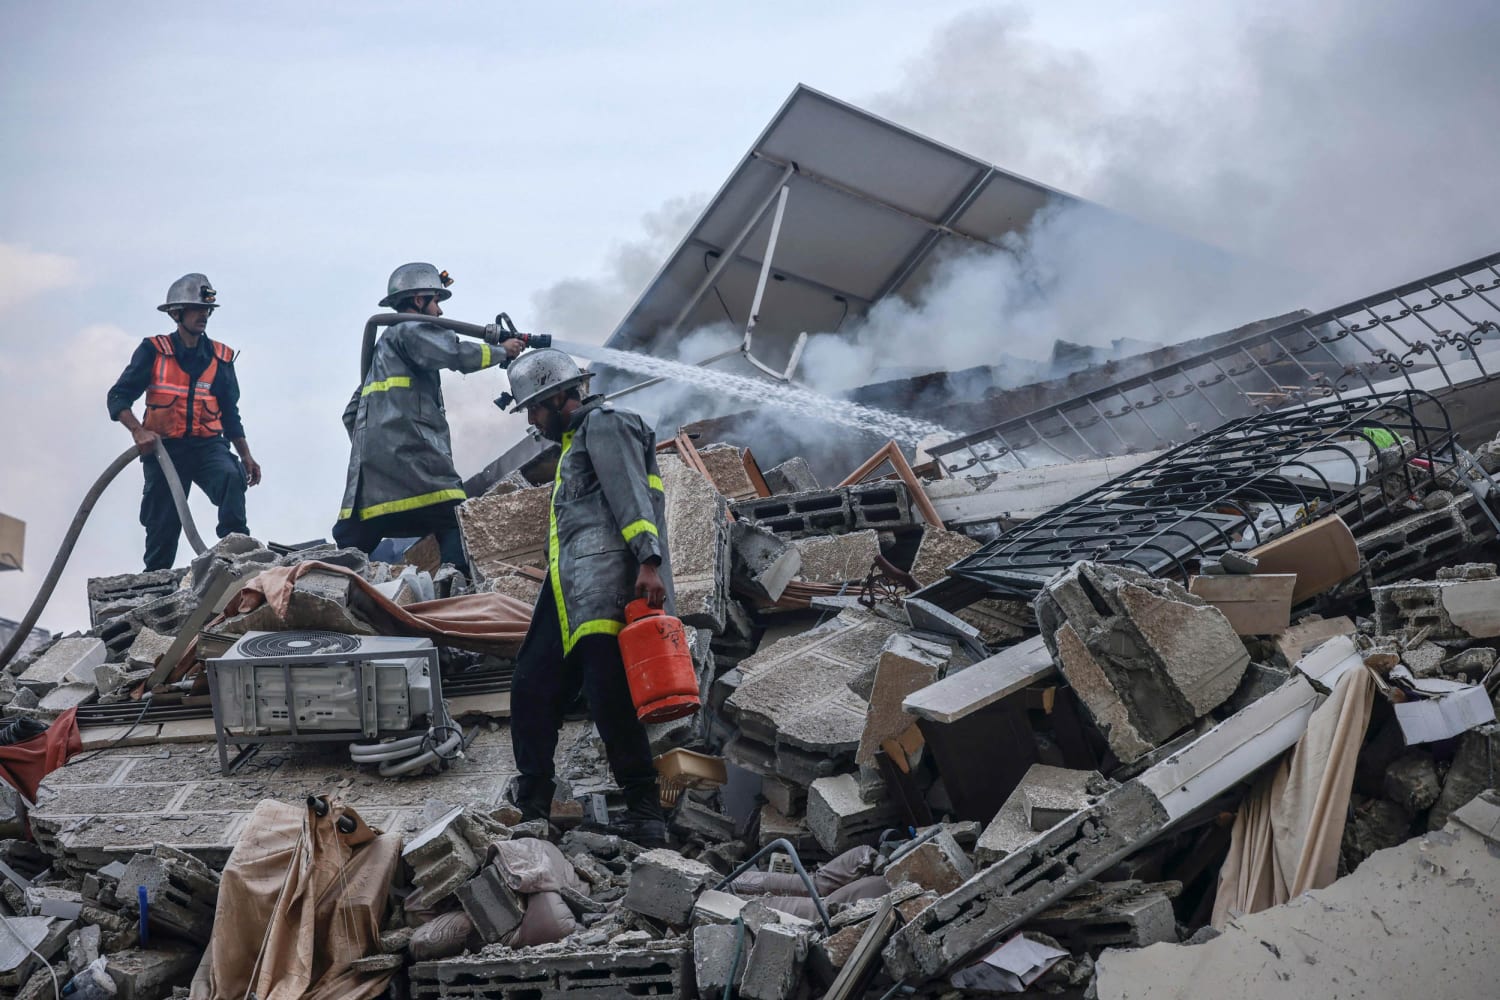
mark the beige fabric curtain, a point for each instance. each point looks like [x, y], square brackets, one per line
[1287, 832]
[298, 903]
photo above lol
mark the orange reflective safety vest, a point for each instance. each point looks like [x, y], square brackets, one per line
[178, 405]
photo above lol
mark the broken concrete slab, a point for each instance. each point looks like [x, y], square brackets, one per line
[1475, 767]
[1297, 640]
[113, 596]
[1340, 940]
[697, 530]
[146, 649]
[150, 973]
[937, 864]
[1146, 657]
[764, 562]
[792, 476]
[65, 661]
[66, 696]
[665, 885]
[1127, 914]
[503, 530]
[794, 693]
[840, 818]
[906, 665]
[1012, 826]
[725, 465]
[838, 558]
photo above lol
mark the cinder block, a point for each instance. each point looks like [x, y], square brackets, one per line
[774, 965]
[713, 957]
[840, 818]
[492, 906]
[665, 885]
[764, 562]
[938, 864]
[441, 860]
[792, 476]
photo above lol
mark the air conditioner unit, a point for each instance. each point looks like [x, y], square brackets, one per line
[313, 686]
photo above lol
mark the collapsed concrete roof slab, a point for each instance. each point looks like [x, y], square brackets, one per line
[1410, 920]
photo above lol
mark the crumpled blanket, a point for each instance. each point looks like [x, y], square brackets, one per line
[484, 622]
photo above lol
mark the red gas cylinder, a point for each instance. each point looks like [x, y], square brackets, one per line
[658, 664]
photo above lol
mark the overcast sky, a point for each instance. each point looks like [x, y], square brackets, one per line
[297, 152]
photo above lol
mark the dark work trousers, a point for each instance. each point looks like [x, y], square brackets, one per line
[205, 462]
[546, 682]
[435, 519]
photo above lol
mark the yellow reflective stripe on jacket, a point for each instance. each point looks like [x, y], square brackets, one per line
[654, 481]
[394, 382]
[346, 513]
[411, 503]
[636, 527]
[602, 626]
[484, 355]
[552, 547]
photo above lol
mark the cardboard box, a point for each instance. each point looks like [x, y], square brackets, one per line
[1321, 554]
[1255, 604]
[12, 542]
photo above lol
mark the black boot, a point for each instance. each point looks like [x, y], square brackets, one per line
[533, 796]
[645, 824]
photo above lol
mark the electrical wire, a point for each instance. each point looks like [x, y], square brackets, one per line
[734, 966]
[56, 987]
[112, 744]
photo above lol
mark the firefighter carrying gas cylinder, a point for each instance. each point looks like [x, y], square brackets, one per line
[401, 481]
[607, 544]
[192, 406]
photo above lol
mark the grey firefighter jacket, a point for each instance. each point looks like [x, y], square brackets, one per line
[400, 457]
[608, 516]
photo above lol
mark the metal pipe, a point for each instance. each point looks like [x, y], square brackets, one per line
[65, 550]
[733, 247]
[782, 843]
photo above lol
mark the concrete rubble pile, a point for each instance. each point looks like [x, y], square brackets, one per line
[878, 795]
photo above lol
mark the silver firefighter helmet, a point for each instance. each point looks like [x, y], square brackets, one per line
[538, 374]
[190, 290]
[416, 279]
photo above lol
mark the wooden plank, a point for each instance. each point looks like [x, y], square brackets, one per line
[986, 682]
[863, 960]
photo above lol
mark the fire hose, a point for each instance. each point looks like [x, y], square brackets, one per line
[492, 333]
[60, 561]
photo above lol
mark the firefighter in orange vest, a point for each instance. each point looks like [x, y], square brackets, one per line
[192, 406]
